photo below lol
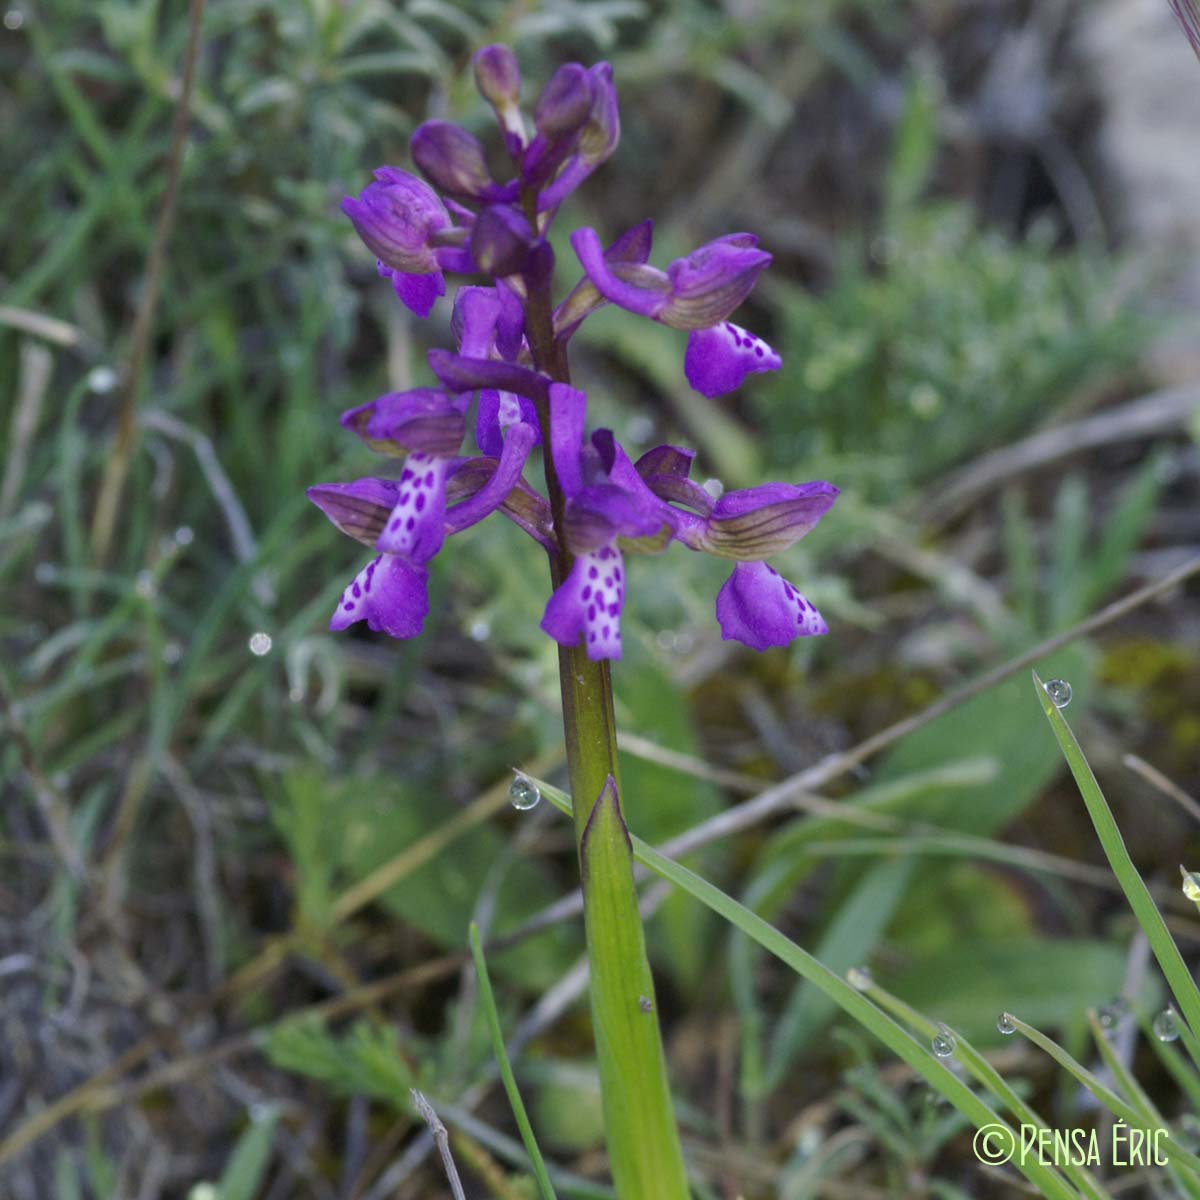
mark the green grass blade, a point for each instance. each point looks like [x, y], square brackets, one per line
[987, 1076]
[898, 1040]
[1179, 978]
[488, 1001]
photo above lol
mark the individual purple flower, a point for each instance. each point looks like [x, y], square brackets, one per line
[403, 223]
[606, 500]
[756, 606]
[488, 323]
[391, 591]
[697, 294]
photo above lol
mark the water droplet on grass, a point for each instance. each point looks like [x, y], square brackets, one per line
[145, 585]
[1191, 885]
[1109, 1015]
[944, 1042]
[172, 652]
[14, 19]
[1059, 691]
[1004, 1023]
[523, 794]
[184, 535]
[260, 643]
[860, 978]
[1166, 1026]
[479, 631]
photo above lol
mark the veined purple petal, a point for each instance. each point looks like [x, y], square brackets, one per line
[646, 298]
[390, 594]
[524, 506]
[517, 444]
[416, 526]
[598, 512]
[589, 602]
[760, 609]
[397, 217]
[476, 312]
[568, 412]
[756, 523]
[712, 281]
[422, 419]
[633, 246]
[718, 359]
[359, 509]
[461, 374]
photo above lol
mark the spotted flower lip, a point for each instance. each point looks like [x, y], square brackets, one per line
[696, 293]
[761, 609]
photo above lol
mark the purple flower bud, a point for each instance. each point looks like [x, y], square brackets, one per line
[397, 217]
[500, 240]
[497, 76]
[453, 160]
[565, 103]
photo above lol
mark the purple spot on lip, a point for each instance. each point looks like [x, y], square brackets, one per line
[591, 612]
[429, 479]
[357, 591]
[421, 502]
[587, 592]
[410, 522]
[759, 351]
[349, 606]
[593, 573]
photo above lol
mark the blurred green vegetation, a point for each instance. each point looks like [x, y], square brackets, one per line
[225, 803]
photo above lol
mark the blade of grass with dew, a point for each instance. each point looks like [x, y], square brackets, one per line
[1104, 1094]
[1185, 1181]
[1179, 978]
[1177, 1066]
[488, 1000]
[987, 1076]
[853, 1002]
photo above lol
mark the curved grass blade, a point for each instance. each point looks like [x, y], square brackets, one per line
[488, 1000]
[1179, 978]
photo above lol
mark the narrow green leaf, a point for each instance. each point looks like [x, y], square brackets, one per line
[488, 1000]
[1179, 978]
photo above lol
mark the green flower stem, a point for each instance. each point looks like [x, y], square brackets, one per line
[639, 1120]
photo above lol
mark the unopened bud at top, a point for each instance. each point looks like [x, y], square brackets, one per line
[497, 75]
[565, 102]
[452, 159]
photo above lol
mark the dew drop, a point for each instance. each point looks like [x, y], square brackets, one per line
[102, 379]
[1059, 691]
[645, 1004]
[1191, 885]
[1109, 1015]
[184, 535]
[860, 978]
[1166, 1026]
[14, 18]
[260, 643]
[944, 1043]
[172, 652]
[523, 794]
[44, 573]
[296, 695]
[479, 631]
[1004, 1023]
[714, 487]
[145, 585]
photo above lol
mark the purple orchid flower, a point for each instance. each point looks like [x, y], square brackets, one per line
[610, 507]
[409, 230]
[696, 293]
[390, 593]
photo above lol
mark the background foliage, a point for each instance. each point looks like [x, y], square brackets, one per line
[252, 873]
